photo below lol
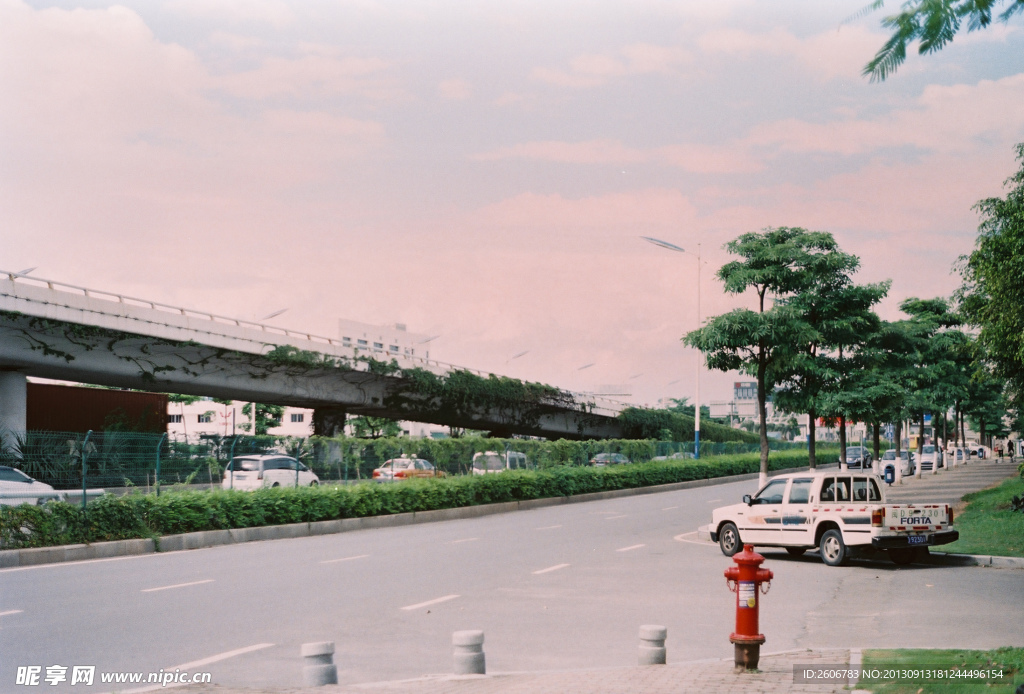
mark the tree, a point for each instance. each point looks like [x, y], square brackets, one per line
[992, 294]
[777, 263]
[267, 417]
[374, 427]
[846, 326]
[680, 406]
[933, 23]
[837, 313]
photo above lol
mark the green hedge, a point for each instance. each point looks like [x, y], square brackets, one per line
[147, 515]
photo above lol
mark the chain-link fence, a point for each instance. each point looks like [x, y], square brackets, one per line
[117, 459]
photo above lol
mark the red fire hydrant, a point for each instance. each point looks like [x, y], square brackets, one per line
[745, 579]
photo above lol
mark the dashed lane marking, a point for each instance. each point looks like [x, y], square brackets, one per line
[428, 603]
[556, 567]
[177, 585]
[219, 657]
[335, 561]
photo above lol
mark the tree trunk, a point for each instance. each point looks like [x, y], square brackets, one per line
[811, 443]
[842, 442]
[963, 429]
[920, 449]
[876, 435]
[898, 435]
[762, 478]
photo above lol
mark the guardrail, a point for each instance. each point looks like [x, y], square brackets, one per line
[588, 401]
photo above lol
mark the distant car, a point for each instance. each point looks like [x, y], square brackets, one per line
[908, 465]
[248, 472]
[406, 469]
[931, 457]
[28, 490]
[680, 455]
[603, 459]
[493, 461]
[857, 457]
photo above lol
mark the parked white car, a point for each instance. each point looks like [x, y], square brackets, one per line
[909, 461]
[18, 488]
[834, 512]
[931, 458]
[492, 461]
[249, 472]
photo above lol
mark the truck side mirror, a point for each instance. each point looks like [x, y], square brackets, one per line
[747, 500]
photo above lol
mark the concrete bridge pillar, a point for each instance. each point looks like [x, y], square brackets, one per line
[328, 421]
[13, 406]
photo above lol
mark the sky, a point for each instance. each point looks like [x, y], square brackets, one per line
[484, 171]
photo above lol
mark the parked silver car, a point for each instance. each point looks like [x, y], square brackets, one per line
[18, 488]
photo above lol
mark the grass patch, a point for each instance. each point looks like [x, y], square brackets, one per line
[1010, 661]
[988, 526]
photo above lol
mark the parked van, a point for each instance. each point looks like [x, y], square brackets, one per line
[493, 461]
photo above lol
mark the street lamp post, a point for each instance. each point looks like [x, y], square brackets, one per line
[696, 405]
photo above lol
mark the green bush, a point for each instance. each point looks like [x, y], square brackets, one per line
[148, 515]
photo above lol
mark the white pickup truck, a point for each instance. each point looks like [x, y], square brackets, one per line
[835, 512]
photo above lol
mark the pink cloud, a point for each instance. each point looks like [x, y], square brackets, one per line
[944, 119]
[839, 53]
[592, 70]
[318, 71]
[691, 157]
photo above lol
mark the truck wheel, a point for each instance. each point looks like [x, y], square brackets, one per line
[833, 549]
[729, 540]
[796, 551]
[902, 555]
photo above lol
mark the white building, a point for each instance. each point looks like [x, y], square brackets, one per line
[206, 417]
[383, 341]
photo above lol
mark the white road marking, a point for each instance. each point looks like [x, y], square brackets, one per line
[599, 513]
[468, 539]
[556, 567]
[177, 585]
[631, 547]
[669, 508]
[219, 657]
[714, 501]
[335, 561]
[428, 603]
[614, 517]
[4, 614]
[548, 527]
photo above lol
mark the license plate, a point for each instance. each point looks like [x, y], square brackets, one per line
[918, 539]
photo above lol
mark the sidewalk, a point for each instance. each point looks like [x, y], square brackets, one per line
[710, 677]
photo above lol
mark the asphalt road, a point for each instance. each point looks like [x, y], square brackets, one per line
[553, 588]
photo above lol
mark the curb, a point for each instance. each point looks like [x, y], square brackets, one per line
[980, 560]
[11, 558]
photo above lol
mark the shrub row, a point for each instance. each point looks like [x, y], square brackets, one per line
[147, 515]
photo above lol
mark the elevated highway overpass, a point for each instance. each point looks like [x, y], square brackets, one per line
[49, 329]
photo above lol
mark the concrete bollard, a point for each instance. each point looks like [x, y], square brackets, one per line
[318, 667]
[468, 649]
[652, 645]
